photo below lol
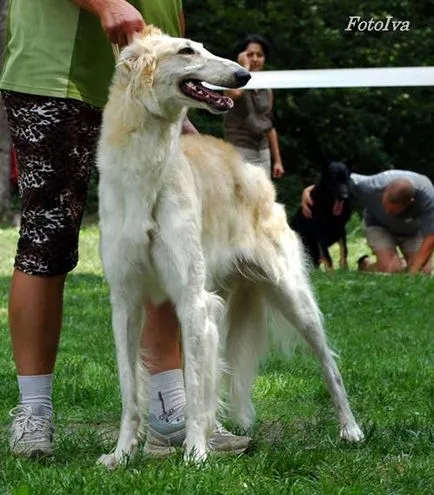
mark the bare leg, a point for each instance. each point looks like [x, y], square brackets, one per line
[388, 261]
[35, 318]
[161, 339]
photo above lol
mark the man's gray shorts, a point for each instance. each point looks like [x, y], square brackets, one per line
[380, 238]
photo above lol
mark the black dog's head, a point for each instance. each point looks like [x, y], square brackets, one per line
[335, 184]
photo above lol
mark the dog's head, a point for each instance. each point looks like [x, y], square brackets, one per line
[335, 182]
[166, 74]
[335, 177]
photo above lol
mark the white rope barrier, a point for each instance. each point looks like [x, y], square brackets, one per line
[342, 78]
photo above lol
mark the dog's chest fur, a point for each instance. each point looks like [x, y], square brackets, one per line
[133, 176]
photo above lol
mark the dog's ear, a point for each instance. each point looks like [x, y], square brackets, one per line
[151, 30]
[347, 164]
[325, 167]
[148, 30]
[136, 64]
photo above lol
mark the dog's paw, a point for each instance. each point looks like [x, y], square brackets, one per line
[109, 461]
[352, 433]
[195, 455]
[343, 265]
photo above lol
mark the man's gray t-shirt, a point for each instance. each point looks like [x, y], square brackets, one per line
[418, 218]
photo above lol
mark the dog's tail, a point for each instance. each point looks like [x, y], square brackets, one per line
[246, 343]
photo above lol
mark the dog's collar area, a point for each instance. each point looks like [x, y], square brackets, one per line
[195, 90]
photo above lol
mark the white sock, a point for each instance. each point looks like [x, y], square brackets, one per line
[167, 396]
[35, 390]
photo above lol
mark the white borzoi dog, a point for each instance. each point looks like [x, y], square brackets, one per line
[185, 220]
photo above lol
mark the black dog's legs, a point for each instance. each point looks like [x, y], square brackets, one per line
[343, 251]
[312, 248]
[325, 254]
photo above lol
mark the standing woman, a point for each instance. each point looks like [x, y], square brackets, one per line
[249, 126]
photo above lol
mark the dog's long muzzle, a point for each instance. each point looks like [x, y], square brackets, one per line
[343, 194]
[242, 77]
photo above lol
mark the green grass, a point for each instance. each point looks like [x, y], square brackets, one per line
[380, 325]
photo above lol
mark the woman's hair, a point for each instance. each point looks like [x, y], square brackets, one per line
[254, 38]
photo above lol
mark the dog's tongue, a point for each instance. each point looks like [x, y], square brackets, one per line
[338, 207]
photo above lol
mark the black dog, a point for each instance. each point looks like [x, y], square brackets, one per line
[331, 211]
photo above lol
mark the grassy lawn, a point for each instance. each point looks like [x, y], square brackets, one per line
[382, 327]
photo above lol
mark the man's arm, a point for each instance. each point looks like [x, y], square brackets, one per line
[307, 201]
[243, 60]
[422, 257]
[188, 127]
[119, 19]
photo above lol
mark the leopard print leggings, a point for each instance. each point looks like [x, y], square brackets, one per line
[55, 141]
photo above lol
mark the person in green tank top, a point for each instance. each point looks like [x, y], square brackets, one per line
[56, 49]
[57, 69]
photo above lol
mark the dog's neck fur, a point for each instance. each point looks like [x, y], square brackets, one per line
[139, 128]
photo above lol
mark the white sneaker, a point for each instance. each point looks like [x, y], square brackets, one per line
[223, 441]
[171, 437]
[31, 433]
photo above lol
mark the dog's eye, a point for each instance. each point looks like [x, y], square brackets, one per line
[186, 51]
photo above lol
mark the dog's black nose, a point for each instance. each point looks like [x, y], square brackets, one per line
[242, 77]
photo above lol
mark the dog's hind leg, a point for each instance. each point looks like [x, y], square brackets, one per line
[246, 343]
[127, 321]
[292, 295]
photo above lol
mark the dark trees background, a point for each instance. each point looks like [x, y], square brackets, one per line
[372, 129]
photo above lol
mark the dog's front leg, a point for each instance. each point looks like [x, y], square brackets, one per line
[325, 255]
[200, 346]
[127, 321]
[196, 310]
[180, 263]
[343, 252]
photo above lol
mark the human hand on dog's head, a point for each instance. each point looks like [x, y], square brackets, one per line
[120, 21]
[243, 60]
[307, 201]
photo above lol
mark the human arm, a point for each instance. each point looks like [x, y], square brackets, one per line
[307, 201]
[188, 127]
[119, 19]
[273, 141]
[243, 60]
[423, 255]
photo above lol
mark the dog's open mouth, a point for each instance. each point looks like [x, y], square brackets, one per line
[194, 89]
[338, 207]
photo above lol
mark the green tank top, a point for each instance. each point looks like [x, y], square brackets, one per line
[54, 48]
